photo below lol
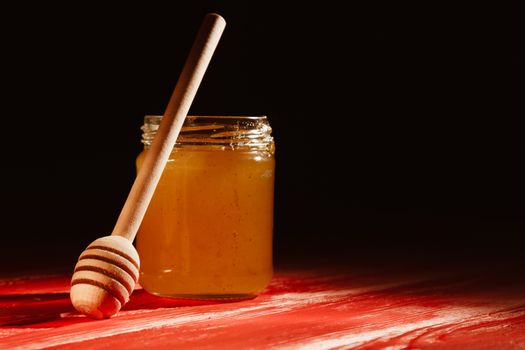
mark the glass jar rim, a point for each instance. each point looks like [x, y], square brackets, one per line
[154, 117]
[228, 131]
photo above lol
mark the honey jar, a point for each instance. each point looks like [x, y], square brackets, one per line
[208, 229]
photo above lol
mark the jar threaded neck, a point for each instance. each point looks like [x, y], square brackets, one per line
[227, 132]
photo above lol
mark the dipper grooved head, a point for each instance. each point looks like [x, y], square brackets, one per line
[104, 277]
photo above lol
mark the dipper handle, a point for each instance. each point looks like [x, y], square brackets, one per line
[149, 174]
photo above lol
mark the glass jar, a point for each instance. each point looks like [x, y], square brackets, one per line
[208, 229]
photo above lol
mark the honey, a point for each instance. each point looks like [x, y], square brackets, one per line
[208, 229]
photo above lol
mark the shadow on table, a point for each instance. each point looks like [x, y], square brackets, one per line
[48, 310]
[141, 299]
[30, 310]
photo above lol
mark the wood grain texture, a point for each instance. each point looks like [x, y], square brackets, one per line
[314, 309]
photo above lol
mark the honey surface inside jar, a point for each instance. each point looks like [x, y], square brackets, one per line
[208, 228]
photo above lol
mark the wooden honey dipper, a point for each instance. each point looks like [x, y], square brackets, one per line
[106, 272]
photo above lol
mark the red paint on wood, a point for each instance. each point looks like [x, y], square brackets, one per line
[312, 310]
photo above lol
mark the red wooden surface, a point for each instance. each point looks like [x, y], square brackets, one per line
[302, 309]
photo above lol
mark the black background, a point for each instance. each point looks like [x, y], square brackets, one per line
[397, 128]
